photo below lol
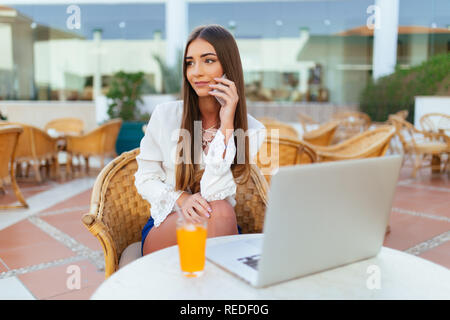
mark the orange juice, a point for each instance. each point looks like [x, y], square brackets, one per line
[191, 246]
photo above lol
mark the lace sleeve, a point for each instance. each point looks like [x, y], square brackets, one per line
[160, 195]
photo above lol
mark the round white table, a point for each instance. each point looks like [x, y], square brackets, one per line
[391, 274]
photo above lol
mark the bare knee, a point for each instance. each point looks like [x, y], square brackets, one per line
[223, 219]
[222, 209]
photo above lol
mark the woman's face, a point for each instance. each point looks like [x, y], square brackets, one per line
[202, 66]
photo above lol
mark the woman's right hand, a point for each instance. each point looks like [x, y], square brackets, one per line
[194, 206]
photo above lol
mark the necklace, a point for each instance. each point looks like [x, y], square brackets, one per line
[208, 135]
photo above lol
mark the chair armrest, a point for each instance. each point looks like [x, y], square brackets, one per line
[99, 230]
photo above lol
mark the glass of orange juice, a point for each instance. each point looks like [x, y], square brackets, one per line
[191, 238]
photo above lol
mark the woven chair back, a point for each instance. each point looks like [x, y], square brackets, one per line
[123, 211]
[371, 143]
[9, 136]
[351, 124]
[402, 114]
[281, 151]
[404, 131]
[100, 141]
[323, 135]
[118, 213]
[66, 125]
[283, 129]
[305, 120]
[34, 143]
[351, 117]
[435, 122]
[111, 130]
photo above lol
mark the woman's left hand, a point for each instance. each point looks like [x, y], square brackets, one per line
[229, 95]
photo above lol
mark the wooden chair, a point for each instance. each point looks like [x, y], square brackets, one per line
[371, 143]
[323, 135]
[278, 151]
[99, 142]
[351, 124]
[68, 126]
[419, 144]
[284, 129]
[118, 213]
[9, 137]
[36, 148]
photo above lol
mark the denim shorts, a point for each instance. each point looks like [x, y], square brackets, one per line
[149, 225]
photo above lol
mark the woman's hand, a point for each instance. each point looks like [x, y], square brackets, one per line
[194, 206]
[230, 95]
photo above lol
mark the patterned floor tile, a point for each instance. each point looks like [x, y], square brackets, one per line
[64, 279]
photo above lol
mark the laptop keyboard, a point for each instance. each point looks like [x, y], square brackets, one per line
[251, 261]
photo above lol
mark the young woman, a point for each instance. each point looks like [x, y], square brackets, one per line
[192, 153]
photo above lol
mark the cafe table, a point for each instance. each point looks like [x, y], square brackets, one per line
[392, 274]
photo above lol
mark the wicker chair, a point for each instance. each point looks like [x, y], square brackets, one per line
[371, 143]
[284, 129]
[9, 136]
[99, 142]
[323, 135]
[351, 124]
[34, 147]
[306, 121]
[68, 126]
[436, 122]
[402, 114]
[419, 144]
[118, 213]
[280, 151]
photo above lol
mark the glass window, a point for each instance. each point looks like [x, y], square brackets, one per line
[290, 50]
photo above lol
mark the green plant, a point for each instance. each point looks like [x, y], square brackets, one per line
[125, 92]
[397, 91]
[171, 75]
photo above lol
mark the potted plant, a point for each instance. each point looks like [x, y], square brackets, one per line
[125, 93]
[172, 76]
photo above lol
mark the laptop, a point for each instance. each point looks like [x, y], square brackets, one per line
[319, 216]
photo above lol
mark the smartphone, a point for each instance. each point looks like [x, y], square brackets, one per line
[221, 101]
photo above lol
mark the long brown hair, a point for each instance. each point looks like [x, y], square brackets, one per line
[227, 52]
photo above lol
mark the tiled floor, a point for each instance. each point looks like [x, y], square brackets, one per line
[46, 253]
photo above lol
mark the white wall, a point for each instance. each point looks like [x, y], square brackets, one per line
[39, 113]
[424, 105]
[6, 52]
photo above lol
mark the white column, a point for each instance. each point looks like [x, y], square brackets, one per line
[385, 37]
[176, 28]
[97, 85]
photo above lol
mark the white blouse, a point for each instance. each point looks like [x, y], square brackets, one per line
[155, 177]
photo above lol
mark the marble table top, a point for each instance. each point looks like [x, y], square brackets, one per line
[391, 274]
